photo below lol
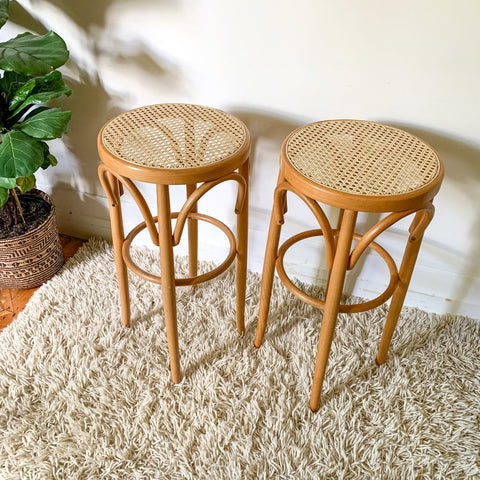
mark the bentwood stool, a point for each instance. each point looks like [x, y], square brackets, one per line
[356, 166]
[175, 144]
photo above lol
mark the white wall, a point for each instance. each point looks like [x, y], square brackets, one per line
[277, 65]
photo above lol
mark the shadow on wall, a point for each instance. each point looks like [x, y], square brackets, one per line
[85, 18]
[96, 12]
[267, 130]
[462, 178]
[92, 105]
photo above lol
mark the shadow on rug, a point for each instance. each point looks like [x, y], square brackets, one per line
[82, 397]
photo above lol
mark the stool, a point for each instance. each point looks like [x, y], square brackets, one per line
[356, 166]
[175, 144]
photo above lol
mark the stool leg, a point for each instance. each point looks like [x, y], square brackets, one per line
[168, 279]
[192, 237]
[242, 249]
[339, 224]
[332, 302]
[405, 275]
[118, 237]
[271, 254]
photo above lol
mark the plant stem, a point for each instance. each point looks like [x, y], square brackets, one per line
[17, 203]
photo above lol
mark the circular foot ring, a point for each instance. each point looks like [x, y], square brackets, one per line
[180, 282]
[315, 302]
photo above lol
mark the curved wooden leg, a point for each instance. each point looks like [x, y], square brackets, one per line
[405, 275]
[271, 254]
[242, 249]
[332, 302]
[192, 237]
[113, 191]
[168, 279]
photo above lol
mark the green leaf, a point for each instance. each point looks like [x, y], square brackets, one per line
[8, 182]
[20, 155]
[26, 183]
[4, 194]
[46, 88]
[48, 158]
[52, 160]
[47, 124]
[3, 12]
[33, 54]
[11, 81]
[21, 94]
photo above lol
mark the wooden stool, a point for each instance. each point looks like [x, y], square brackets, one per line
[355, 166]
[175, 144]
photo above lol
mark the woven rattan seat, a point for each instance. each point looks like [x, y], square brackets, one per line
[362, 158]
[357, 166]
[174, 136]
[174, 144]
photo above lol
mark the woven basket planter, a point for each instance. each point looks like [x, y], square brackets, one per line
[28, 260]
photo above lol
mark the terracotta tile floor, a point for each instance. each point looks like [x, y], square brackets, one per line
[12, 302]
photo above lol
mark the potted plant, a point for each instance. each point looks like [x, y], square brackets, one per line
[30, 249]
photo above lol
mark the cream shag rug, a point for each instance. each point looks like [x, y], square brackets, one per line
[81, 397]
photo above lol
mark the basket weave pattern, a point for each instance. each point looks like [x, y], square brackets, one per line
[31, 259]
[363, 158]
[173, 136]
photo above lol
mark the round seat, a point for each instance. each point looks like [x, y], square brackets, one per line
[174, 144]
[353, 162]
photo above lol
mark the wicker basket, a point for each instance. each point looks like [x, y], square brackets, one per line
[31, 259]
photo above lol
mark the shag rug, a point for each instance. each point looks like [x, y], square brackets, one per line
[81, 397]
